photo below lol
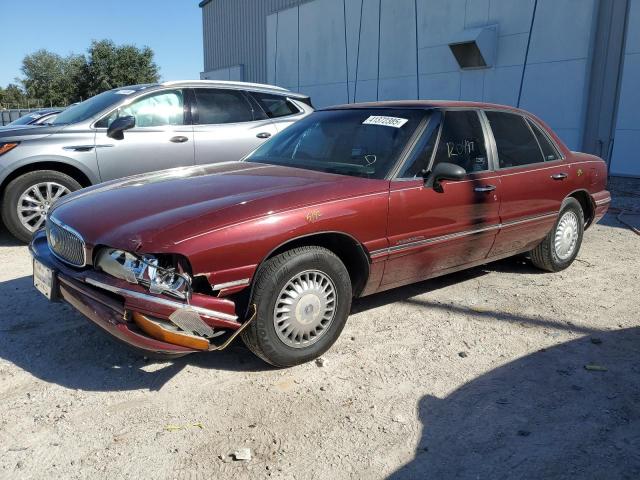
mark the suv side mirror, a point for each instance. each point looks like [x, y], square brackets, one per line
[119, 125]
[444, 171]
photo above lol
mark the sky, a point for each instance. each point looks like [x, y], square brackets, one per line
[172, 28]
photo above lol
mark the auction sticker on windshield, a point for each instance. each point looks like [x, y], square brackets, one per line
[384, 121]
[43, 279]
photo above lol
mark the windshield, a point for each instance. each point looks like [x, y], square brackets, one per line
[357, 142]
[91, 107]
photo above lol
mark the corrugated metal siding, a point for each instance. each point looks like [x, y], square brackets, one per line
[235, 33]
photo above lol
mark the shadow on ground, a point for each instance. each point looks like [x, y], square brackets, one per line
[54, 343]
[516, 264]
[7, 240]
[542, 416]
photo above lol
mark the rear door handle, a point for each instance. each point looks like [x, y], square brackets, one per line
[179, 139]
[559, 176]
[485, 188]
[263, 135]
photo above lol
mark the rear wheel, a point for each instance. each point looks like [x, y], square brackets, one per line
[27, 200]
[561, 245]
[302, 298]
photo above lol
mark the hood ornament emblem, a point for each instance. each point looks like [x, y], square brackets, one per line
[53, 238]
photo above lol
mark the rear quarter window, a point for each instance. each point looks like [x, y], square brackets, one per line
[275, 106]
[549, 151]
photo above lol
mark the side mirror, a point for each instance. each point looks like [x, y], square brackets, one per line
[119, 125]
[444, 171]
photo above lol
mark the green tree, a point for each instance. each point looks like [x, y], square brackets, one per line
[12, 97]
[52, 79]
[110, 66]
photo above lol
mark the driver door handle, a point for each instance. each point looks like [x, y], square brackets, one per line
[263, 135]
[485, 188]
[559, 176]
[179, 139]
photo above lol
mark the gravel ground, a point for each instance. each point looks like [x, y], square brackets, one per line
[479, 374]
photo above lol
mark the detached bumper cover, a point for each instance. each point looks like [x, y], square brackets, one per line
[107, 302]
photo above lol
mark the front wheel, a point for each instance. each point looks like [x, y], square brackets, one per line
[560, 247]
[27, 200]
[303, 297]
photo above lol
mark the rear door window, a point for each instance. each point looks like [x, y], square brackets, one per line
[515, 141]
[219, 106]
[275, 106]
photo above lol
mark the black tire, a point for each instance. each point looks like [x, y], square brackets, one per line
[261, 336]
[544, 256]
[21, 184]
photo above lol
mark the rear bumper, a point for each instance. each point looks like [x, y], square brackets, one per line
[601, 202]
[109, 303]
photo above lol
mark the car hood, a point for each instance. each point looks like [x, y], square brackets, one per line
[27, 132]
[152, 213]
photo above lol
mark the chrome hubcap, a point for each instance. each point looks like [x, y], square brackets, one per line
[34, 203]
[566, 235]
[305, 309]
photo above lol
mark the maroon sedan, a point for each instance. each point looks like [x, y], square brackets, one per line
[348, 202]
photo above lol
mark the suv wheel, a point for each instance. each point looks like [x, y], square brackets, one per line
[27, 200]
[303, 298]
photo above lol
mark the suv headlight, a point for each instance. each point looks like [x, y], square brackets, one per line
[160, 274]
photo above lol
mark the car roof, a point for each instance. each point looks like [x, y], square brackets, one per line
[424, 104]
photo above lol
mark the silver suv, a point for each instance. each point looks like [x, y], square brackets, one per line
[133, 130]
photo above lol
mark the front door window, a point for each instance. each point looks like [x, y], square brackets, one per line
[164, 108]
[462, 141]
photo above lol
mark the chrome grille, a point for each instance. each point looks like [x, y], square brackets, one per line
[66, 244]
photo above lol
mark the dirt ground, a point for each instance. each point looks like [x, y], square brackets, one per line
[479, 374]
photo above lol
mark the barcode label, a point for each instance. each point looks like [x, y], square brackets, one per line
[394, 122]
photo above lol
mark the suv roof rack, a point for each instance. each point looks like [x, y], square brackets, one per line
[227, 83]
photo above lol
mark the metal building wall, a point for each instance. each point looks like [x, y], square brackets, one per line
[234, 33]
[340, 51]
[625, 160]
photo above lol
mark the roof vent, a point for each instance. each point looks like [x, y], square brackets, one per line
[475, 48]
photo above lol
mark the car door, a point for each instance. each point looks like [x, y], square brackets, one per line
[533, 178]
[227, 125]
[431, 229]
[161, 138]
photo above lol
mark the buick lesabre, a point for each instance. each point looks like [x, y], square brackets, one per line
[349, 201]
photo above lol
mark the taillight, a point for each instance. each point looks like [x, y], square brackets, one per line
[5, 147]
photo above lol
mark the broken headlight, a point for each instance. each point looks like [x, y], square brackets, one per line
[160, 274]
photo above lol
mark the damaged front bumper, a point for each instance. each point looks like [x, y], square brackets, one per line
[129, 312]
